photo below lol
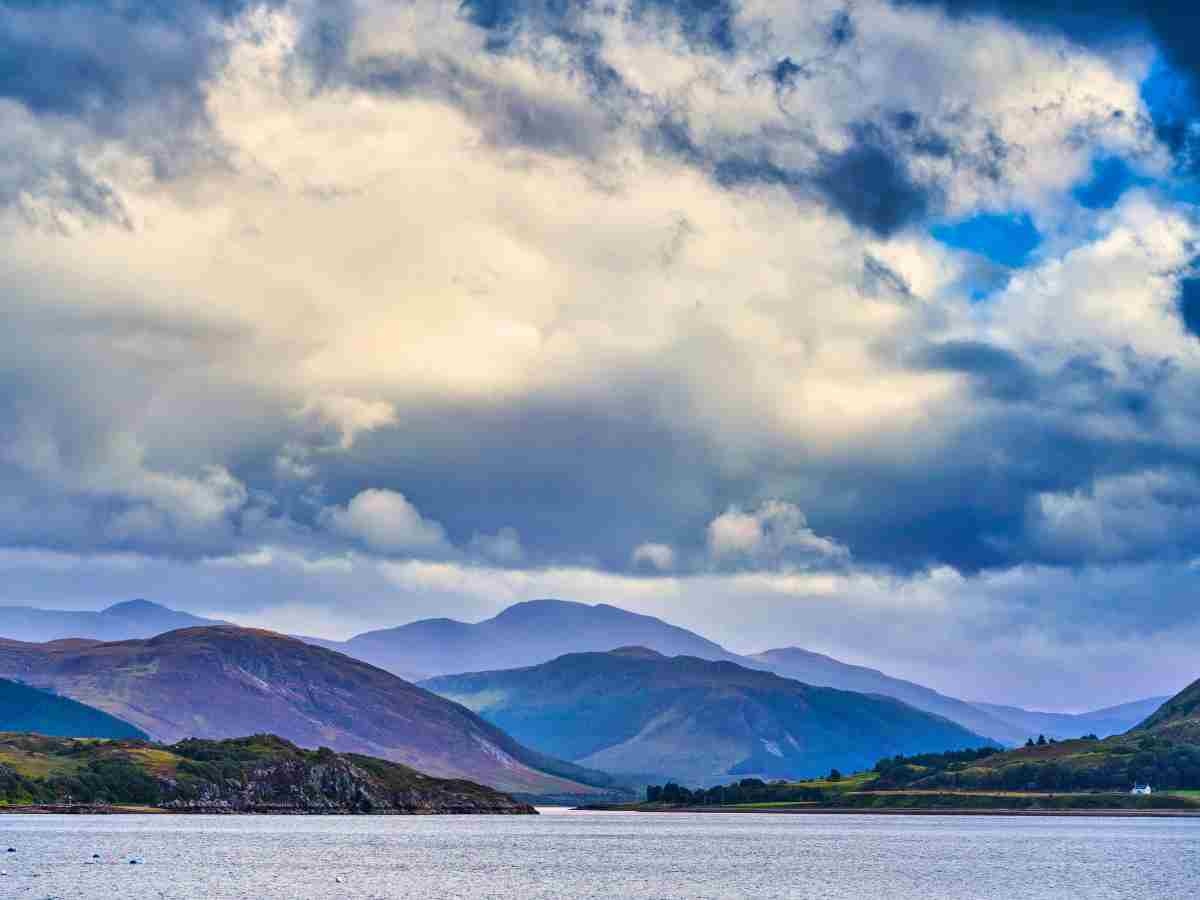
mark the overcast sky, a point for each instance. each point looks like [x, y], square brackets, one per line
[867, 327]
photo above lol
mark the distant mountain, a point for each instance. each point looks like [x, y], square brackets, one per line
[23, 708]
[119, 622]
[1063, 726]
[536, 631]
[258, 774]
[220, 682]
[636, 711]
[815, 668]
[522, 635]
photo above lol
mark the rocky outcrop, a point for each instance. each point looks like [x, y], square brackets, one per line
[334, 786]
[258, 774]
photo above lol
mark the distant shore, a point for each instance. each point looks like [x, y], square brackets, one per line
[900, 811]
[80, 809]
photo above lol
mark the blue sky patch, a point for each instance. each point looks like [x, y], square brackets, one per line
[1007, 239]
[1111, 177]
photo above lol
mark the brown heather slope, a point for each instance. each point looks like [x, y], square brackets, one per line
[219, 682]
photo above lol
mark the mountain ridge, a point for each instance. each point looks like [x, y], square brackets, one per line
[124, 620]
[536, 631]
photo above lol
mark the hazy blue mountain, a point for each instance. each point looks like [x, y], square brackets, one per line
[1063, 726]
[24, 708]
[119, 622]
[522, 635]
[815, 668]
[636, 711]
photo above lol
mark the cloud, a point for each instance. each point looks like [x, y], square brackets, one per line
[656, 556]
[776, 530]
[1140, 516]
[385, 521]
[503, 547]
[348, 416]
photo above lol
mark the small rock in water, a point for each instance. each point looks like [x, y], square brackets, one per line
[340, 880]
[95, 856]
[134, 862]
[12, 849]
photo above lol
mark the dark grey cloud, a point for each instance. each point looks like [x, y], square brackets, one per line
[96, 59]
[870, 184]
[999, 373]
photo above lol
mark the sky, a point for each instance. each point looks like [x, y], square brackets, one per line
[869, 327]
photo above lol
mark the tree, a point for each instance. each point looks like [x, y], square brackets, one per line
[1041, 741]
[835, 775]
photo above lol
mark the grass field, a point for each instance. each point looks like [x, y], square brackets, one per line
[854, 782]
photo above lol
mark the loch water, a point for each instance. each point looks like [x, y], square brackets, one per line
[573, 855]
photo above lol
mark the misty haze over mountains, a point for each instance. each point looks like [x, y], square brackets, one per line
[535, 632]
[119, 622]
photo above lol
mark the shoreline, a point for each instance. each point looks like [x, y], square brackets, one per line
[51, 809]
[852, 811]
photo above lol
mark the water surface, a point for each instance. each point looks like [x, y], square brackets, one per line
[570, 855]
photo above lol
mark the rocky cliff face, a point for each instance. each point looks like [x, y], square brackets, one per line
[333, 788]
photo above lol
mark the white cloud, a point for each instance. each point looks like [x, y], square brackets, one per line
[350, 416]
[385, 521]
[776, 530]
[658, 556]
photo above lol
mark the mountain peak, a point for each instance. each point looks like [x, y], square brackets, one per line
[127, 607]
[530, 608]
[636, 652]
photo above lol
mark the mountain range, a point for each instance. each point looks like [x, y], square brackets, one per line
[522, 635]
[636, 712]
[222, 681]
[534, 632]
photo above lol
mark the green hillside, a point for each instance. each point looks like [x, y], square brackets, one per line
[636, 712]
[23, 708]
[262, 773]
[1164, 752]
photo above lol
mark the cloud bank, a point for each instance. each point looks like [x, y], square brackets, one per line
[350, 311]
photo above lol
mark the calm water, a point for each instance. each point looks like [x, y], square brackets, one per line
[577, 855]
